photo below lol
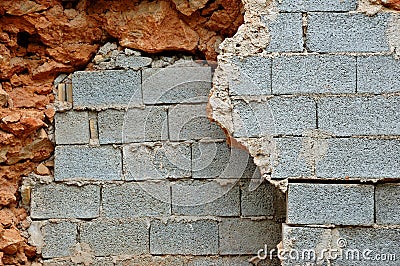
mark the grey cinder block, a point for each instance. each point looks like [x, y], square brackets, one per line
[176, 85]
[344, 32]
[103, 89]
[64, 201]
[378, 74]
[245, 236]
[218, 160]
[83, 162]
[202, 198]
[276, 116]
[258, 202]
[250, 76]
[116, 237]
[314, 74]
[316, 5]
[190, 122]
[339, 204]
[349, 116]
[133, 125]
[157, 161]
[292, 160]
[387, 197]
[286, 31]
[72, 128]
[360, 158]
[59, 239]
[198, 237]
[136, 199]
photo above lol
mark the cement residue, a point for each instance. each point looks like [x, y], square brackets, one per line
[82, 254]
[393, 35]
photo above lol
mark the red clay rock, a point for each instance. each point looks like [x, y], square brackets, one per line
[393, 4]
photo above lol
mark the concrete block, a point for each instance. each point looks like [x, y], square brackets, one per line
[360, 158]
[250, 76]
[316, 5]
[149, 260]
[116, 237]
[202, 198]
[83, 162]
[314, 74]
[218, 160]
[378, 74]
[387, 198]
[286, 31]
[198, 237]
[59, 239]
[258, 202]
[64, 201]
[105, 89]
[157, 161]
[344, 246]
[245, 236]
[292, 158]
[136, 199]
[367, 246]
[345, 32]
[176, 85]
[72, 128]
[133, 125]
[228, 261]
[303, 245]
[190, 122]
[339, 204]
[132, 62]
[349, 116]
[276, 116]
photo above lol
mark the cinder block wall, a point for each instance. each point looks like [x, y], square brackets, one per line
[142, 177]
[323, 89]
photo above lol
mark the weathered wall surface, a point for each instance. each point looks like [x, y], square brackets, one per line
[41, 39]
[141, 177]
[311, 90]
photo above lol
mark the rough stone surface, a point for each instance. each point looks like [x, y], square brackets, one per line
[349, 116]
[190, 122]
[176, 85]
[387, 208]
[378, 74]
[116, 237]
[100, 89]
[96, 163]
[286, 33]
[157, 161]
[199, 198]
[251, 76]
[136, 200]
[133, 125]
[196, 237]
[59, 238]
[276, 116]
[313, 74]
[360, 158]
[63, 201]
[338, 32]
[72, 128]
[316, 5]
[244, 236]
[337, 204]
[132, 62]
